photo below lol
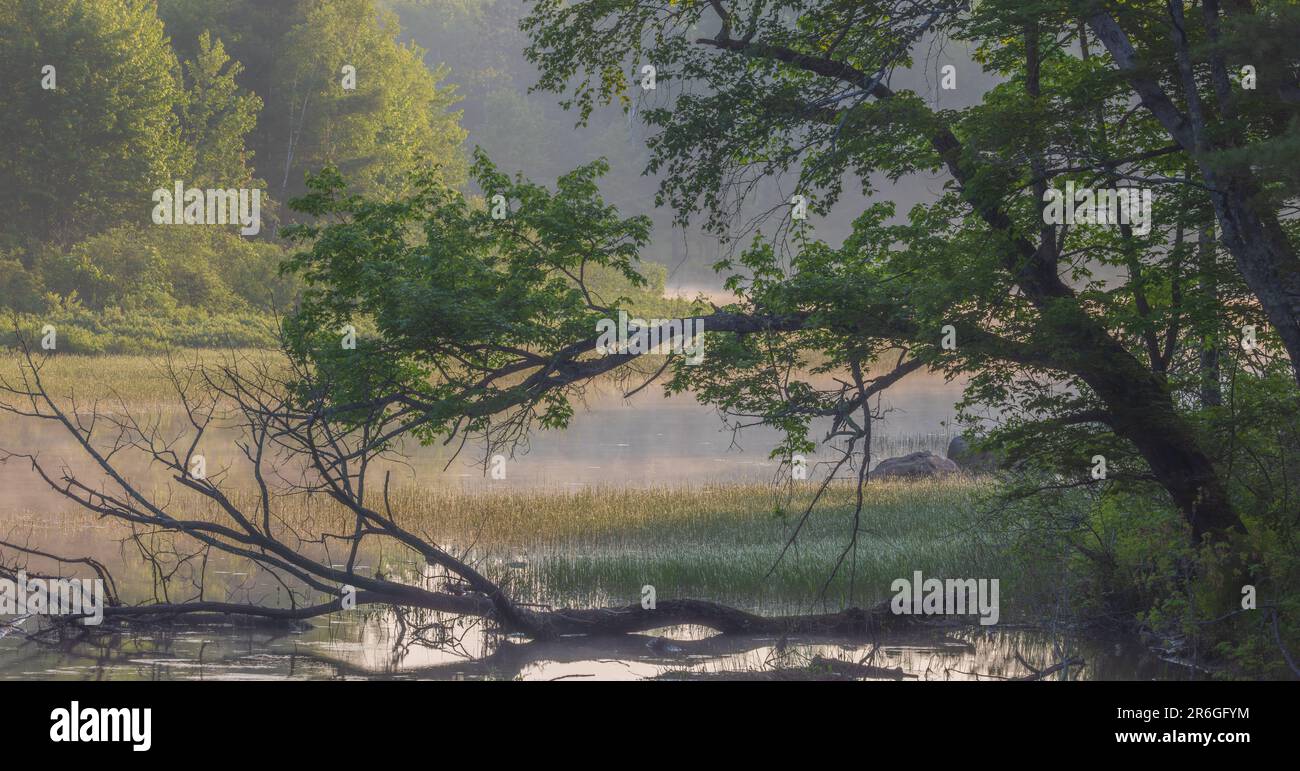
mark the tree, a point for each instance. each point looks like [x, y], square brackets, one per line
[1227, 122]
[88, 152]
[396, 120]
[768, 93]
[478, 295]
[217, 118]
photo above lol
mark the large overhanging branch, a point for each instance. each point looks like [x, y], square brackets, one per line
[327, 467]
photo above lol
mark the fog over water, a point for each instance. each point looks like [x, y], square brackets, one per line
[646, 441]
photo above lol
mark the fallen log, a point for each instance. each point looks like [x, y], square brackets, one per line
[551, 624]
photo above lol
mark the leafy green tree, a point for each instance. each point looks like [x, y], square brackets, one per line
[399, 118]
[21, 289]
[396, 120]
[454, 295]
[87, 153]
[217, 117]
[769, 87]
[1080, 339]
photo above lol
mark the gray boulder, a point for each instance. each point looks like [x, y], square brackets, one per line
[918, 465]
[960, 452]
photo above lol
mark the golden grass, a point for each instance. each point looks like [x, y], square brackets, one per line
[139, 381]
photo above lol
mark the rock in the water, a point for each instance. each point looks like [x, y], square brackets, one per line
[960, 452]
[918, 465]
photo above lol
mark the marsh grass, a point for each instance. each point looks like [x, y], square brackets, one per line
[724, 543]
[601, 546]
[138, 381]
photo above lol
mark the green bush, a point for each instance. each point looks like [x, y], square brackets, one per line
[84, 330]
[212, 269]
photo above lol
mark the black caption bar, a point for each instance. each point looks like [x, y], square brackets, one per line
[171, 719]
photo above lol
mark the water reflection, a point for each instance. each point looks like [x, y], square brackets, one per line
[373, 646]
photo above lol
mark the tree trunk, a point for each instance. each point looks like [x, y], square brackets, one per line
[553, 624]
[1263, 255]
[1250, 229]
[1142, 411]
[1211, 389]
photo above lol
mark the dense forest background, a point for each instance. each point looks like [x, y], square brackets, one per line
[240, 93]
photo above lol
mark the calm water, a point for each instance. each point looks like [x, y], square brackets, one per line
[371, 647]
[644, 441]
